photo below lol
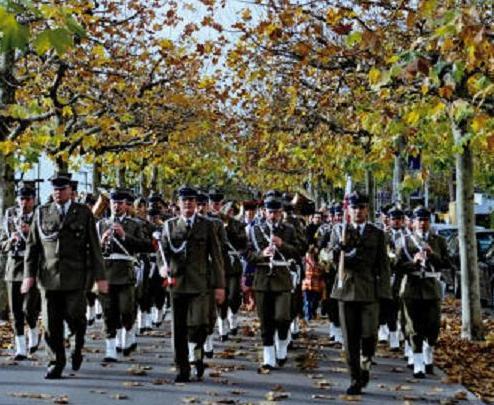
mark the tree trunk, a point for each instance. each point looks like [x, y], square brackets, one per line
[96, 178]
[369, 189]
[398, 172]
[451, 186]
[472, 328]
[154, 179]
[121, 177]
[7, 96]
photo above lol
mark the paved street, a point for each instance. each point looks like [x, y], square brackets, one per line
[315, 373]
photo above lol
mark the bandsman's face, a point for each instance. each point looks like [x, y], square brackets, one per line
[359, 213]
[396, 223]
[62, 195]
[273, 215]
[338, 218]
[422, 224]
[201, 208]
[141, 210]
[215, 206]
[26, 204]
[250, 215]
[187, 206]
[118, 208]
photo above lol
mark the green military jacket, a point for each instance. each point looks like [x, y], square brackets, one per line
[14, 268]
[393, 239]
[120, 253]
[63, 254]
[416, 286]
[366, 271]
[194, 255]
[275, 278]
[236, 244]
[299, 226]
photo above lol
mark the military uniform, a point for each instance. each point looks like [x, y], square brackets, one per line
[298, 269]
[24, 308]
[194, 257]
[236, 244]
[57, 255]
[273, 284]
[365, 281]
[119, 305]
[421, 293]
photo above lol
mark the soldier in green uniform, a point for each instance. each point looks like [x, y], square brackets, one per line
[297, 269]
[422, 254]
[62, 242]
[236, 243]
[194, 266]
[393, 237]
[121, 239]
[359, 286]
[26, 308]
[273, 251]
[330, 260]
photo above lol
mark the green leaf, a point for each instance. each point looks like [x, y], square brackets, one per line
[458, 71]
[353, 38]
[12, 34]
[75, 27]
[59, 39]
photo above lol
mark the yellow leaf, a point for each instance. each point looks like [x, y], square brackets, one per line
[412, 118]
[374, 75]
[479, 122]
[333, 16]
[166, 44]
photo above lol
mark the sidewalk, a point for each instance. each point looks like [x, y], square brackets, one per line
[314, 373]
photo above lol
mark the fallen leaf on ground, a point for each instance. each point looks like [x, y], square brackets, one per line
[277, 396]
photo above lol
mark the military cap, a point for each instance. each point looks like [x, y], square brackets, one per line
[89, 199]
[155, 197]
[60, 180]
[395, 213]
[385, 209]
[202, 197]
[250, 205]
[337, 209]
[153, 212]
[139, 201]
[272, 203]
[357, 199]
[74, 184]
[131, 197]
[26, 189]
[120, 194]
[185, 192]
[408, 213]
[216, 195]
[274, 194]
[421, 213]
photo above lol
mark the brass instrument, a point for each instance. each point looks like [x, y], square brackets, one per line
[101, 205]
[302, 205]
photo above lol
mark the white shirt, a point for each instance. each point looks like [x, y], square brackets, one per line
[64, 209]
[189, 221]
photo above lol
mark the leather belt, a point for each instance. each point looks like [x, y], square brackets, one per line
[120, 256]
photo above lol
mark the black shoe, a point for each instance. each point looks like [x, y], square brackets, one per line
[90, 322]
[209, 355]
[133, 347]
[199, 372]
[234, 331]
[420, 375]
[119, 349]
[182, 378]
[281, 362]
[76, 358]
[223, 338]
[142, 330]
[410, 366]
[126, 352]
[109, 360]
[20, 357]
[53, 372]
[295, 336]
[99, 316]
[267, 367]
[364, 378]
[429, 369]
[395, 350]
[354, 389]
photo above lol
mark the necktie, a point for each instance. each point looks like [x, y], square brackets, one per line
[189, 224]
[62, 213]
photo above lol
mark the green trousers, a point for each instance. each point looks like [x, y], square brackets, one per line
[422, 321]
